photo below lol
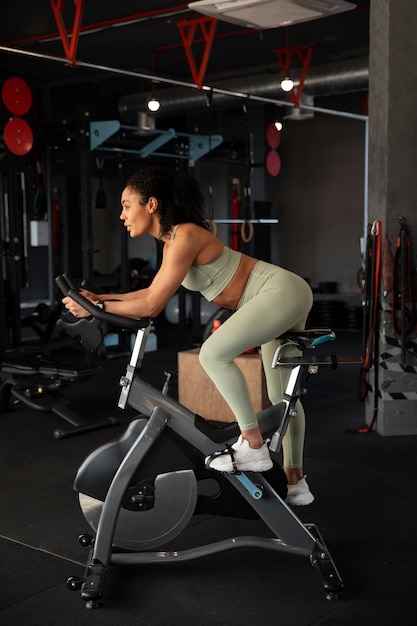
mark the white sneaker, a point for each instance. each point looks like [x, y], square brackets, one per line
[240, 457]
[299, 494]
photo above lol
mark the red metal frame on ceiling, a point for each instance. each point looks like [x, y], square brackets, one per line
[70, 47]
[188, 30]
[285, 56]
[70, 43]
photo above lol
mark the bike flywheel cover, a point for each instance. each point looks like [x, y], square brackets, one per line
[174, 505]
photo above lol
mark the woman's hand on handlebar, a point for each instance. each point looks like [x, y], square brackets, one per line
[77, 310]
[90, 295]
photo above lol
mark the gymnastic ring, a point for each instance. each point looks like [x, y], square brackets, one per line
[213, 226]
[248, 237]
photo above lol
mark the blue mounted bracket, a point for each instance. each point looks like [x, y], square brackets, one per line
[201, 145]
[101, 131]
[152, 146]
[198, 145]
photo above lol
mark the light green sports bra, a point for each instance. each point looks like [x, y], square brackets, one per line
[211, 279]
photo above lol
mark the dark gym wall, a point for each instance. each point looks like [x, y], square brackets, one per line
[318, 196]
[321, 199]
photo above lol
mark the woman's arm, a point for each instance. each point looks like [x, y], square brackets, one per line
[177, 257]
[102, 297]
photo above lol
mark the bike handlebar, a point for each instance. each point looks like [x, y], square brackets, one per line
[69, 288]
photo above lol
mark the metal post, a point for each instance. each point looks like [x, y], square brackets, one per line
[87, 243]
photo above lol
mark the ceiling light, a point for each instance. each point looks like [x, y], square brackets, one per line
[153, 104]
[287, 84]
[278, 125]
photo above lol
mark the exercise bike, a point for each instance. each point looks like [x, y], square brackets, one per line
[140, 491]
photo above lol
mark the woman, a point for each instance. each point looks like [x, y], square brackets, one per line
[267, 301]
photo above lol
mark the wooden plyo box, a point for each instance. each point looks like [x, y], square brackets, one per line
[198, 393]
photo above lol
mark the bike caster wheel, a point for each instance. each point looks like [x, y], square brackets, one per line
[332, 596]
[85, 540]
[74, 583]
[91, 604]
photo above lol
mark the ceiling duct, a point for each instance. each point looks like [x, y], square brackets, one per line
[337, 78]
[263, 14]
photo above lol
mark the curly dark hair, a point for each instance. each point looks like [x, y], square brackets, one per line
[179, 196]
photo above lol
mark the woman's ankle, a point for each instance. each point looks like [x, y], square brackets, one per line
[293, 474]
[254, 438]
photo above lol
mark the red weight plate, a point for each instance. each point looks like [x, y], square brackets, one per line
[16, 95]
[273, 163]
[18, 136]
[273, 136]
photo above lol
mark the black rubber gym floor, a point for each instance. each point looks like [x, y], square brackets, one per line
[365, 492]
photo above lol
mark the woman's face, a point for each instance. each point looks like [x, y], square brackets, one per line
[136, 212]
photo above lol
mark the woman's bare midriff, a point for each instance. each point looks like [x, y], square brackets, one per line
[230, 296]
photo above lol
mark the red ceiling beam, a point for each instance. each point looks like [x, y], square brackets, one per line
[188, 30]
[70, 43]
[92, 28]
[285, 56]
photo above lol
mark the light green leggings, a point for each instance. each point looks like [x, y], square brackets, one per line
[273, 302]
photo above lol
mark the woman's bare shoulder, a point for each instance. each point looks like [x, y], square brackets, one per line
[201, 241]
[189, 227]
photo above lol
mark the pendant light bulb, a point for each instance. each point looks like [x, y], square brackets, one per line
[153, 105]
[287, 84]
